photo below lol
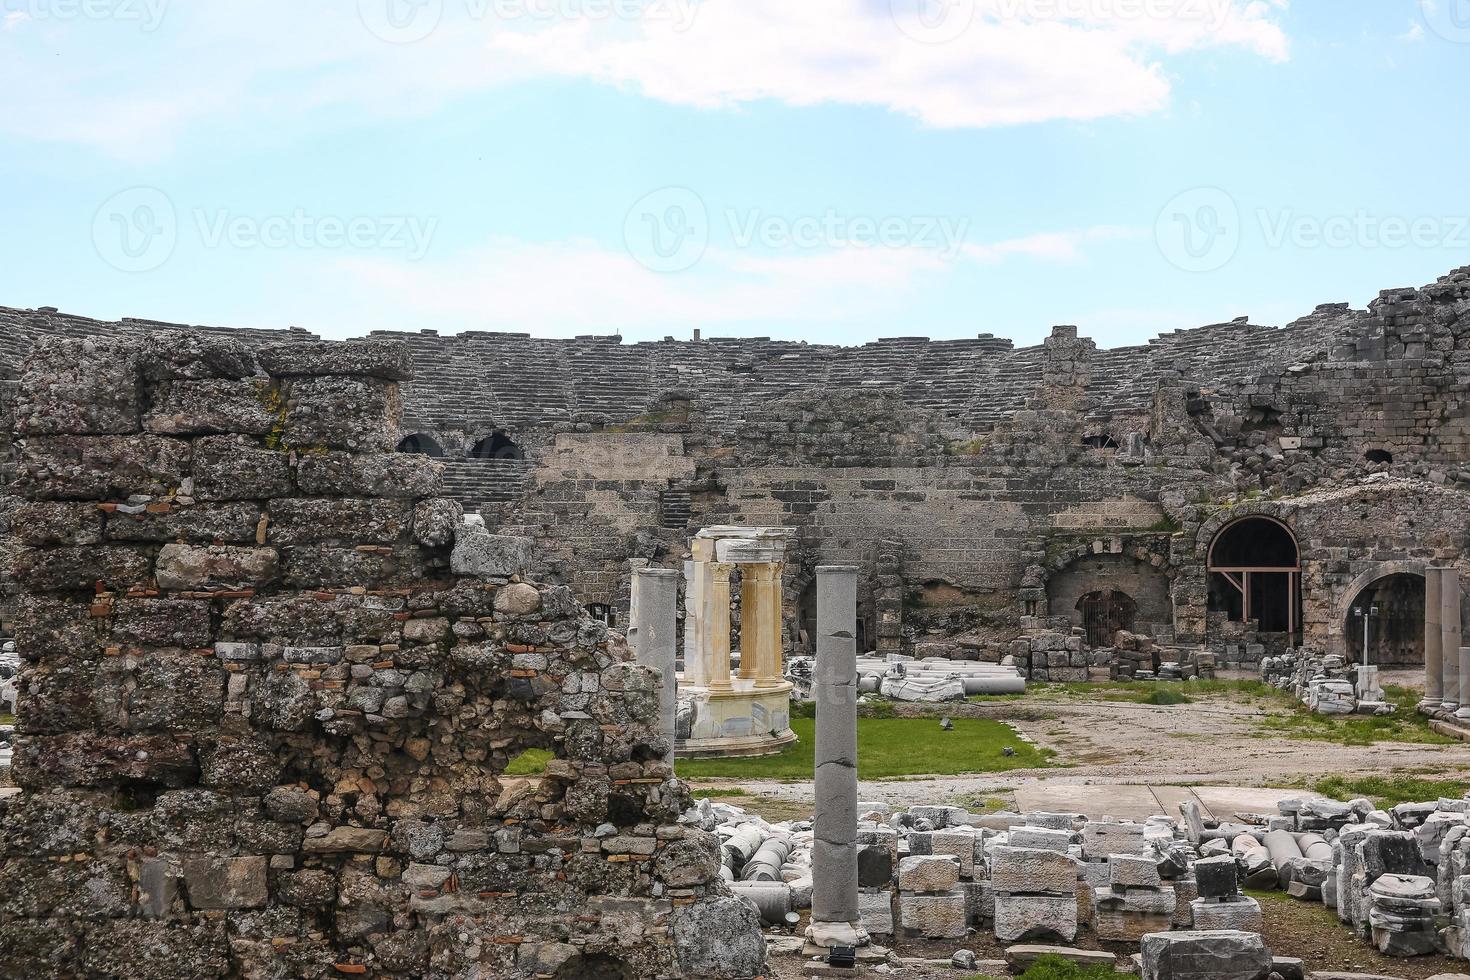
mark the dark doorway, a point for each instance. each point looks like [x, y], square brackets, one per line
[1104, 614]
[1396, 633]
[421, 444]
[497, 445]
[1255, 575]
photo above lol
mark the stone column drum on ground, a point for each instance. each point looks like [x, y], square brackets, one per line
[835, 917]
[656, 620]
[1433, 659]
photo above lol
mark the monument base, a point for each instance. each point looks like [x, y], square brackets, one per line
[744, 721]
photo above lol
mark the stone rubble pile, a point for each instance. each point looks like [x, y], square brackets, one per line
[902, 678]
[1327, 684]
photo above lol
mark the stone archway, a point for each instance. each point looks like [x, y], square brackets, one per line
[1138, 567]
[1399, 629]
[1254, 573]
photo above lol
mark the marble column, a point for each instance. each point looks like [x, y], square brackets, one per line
[751, 614]
[1433, 660]
[1449, 635]
[772, 673]
[696, 618]
[655, 625]
[719, 626]
[835, 917]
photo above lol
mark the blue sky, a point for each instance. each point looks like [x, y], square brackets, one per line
[824, 170]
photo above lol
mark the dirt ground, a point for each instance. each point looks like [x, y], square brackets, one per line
[1216, 740]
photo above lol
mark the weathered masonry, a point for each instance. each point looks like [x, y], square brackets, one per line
[1235, 485]
[265, 727]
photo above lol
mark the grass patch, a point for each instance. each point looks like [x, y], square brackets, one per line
[1387, 791]
[1405, 725]
[1134, 692]
[1056, 968]
[6, 719]
[718, 793]
[889, 747]
[531, 762]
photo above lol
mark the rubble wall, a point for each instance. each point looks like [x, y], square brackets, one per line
[264, 729]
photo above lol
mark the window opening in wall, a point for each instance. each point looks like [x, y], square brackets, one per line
[603, 612]
[421, 444]
[1378, 456]
[1100, 442]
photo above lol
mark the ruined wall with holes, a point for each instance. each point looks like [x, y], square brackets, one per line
[264, 728]
[977, 459]
[1145, 585]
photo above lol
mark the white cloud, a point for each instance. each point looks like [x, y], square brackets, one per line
[132, 86]
[1414, 34]
[570, 287]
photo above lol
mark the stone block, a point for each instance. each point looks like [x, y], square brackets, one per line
[1040, 838]
[1216, 876]
[357, 414]
[484, 555]
[211, 407]
[875, 866]
[1205, 955]
[225, 882]
[389, 360]
[1100, 839]
[1128, 871]
[1239, 913]
[720, 937]
[79, 387]
[223, 567]
[397, 476]
[928, 874]
[1022, 917]
[1021, 870]
[108, 468]
[942, 916]
[959, 844]
[239, 468]
[1128, 916]
[875, 907]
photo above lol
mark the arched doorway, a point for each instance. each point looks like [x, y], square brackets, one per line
[1394, 608]
[422, 444]
[1104, 614]
[497, 445]
[1255, 575]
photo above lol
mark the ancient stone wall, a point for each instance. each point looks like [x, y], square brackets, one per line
[979, 461]
[264, 728]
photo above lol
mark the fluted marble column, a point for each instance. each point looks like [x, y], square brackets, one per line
[751, 613]
[1433, 658]
[655, 626]
[836, 920]
[770, 672]
[1449, 635]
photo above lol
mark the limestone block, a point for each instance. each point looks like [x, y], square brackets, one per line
[389, 360]
[1022, 917]
[875, 908]
[1027, 870]
[393, 475]
[1242, 913]
[237, 468]
[484, 555]
[225, 882]
[1216, 876]
[79, 387]
[940, 916]
[109, 468]
[214, 406]
[1128, 916]
[356, 414]
[1101, 839]
[928, 874]
[719, 938]
[1127, 871]
[1040, 837]
[875, 866]
[959, 844]
[1205, 955]
[192, 567]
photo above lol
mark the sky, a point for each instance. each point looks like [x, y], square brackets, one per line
[831, 171]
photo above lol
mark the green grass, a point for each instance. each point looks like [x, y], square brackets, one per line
[6, 719]
[1135, 692]
[718, 793]
[531, 762]
[1387, 791]
[889, 747]
[1405, 725]
[1057, 968]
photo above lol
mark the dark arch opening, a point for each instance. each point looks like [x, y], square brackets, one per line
[1106, 612]
[497, 445]
[1100, 442]
[1378, 456]
[1395, 612]
[421, 444]
[1255, 575]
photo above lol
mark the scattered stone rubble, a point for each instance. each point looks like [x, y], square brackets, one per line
[264, 724]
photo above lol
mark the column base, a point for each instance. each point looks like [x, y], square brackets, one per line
[1430, 704]
[1450, 706]
[1463, 713]
[830, 934]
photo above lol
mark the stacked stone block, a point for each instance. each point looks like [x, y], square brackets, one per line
[1035, 892]
[1220, 904]
[264, 728]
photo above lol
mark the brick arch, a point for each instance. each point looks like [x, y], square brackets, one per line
[1336, 634]
[1274, 510]
[1137, 548]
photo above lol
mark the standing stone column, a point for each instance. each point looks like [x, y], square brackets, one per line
[751, 613]
[719, 626]
[1433, 662]
[1449, 635]
[655, 624]
[772, 673]
[835, 917]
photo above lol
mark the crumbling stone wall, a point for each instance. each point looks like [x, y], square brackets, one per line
[264, 729]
